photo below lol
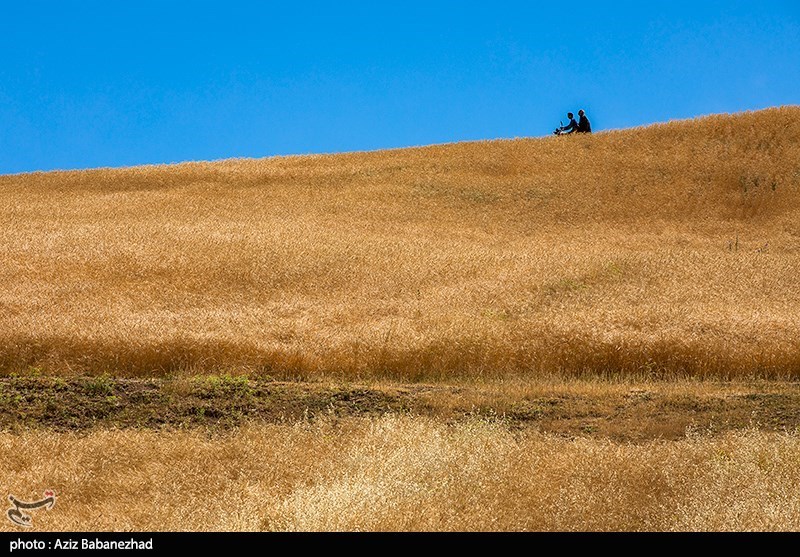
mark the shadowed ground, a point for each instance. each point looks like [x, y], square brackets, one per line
[634, 412]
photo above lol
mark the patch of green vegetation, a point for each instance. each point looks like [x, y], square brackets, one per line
[225, 385]
[10, 397]
[99, 385]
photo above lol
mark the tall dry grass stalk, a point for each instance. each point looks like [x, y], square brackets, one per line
[671, 250]
[398, 473]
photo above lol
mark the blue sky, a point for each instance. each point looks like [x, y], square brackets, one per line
[113, 83]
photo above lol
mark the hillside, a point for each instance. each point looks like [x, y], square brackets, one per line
[670, 250]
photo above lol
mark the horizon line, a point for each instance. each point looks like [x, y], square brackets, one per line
[386, 149]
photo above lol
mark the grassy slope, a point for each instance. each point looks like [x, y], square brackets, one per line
[655, 252]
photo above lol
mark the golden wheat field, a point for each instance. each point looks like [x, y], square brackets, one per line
[402, 473]
[569, 333]
[666, 251]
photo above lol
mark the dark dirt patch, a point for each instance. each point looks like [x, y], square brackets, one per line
[81, 403]
[637, 417]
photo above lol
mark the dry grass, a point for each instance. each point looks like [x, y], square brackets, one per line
[402, 474]
[667, 251]
[507, 269]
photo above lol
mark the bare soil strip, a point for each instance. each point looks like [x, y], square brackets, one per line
[620, 412]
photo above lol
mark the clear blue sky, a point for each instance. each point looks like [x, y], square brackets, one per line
[118, 83]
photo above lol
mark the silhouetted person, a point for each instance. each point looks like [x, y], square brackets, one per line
[569, 128]
[584, 126]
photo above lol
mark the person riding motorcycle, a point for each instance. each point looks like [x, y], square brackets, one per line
[581, 126]
[572, 127]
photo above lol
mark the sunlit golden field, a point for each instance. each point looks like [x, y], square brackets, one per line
[666, 251]
[567, 333]
[402, 473]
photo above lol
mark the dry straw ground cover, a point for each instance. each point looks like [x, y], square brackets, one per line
[402, 473]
